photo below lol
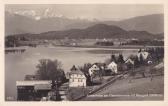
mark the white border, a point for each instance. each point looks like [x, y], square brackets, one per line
[96, 103]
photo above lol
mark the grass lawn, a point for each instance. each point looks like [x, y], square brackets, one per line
[138, 86]
[76, 92]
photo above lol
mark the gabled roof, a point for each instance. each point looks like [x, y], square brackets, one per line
[75, 70]
[99, 65]
[32, 83]
[144, 54]
[129, 60]
[112, 63]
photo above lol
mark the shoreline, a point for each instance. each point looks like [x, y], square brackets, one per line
[90, 46]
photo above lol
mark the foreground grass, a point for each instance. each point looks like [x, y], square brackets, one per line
[132, 90]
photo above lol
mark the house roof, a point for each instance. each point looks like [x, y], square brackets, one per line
[99, 65]
[32, 83]
[144, 54]
[42, 86]
[112, 63]
[75, 70]
[129, 61]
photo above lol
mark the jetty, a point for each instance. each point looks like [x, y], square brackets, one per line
[14, 50]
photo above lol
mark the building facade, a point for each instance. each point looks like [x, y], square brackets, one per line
[113, 67]
[32, 90]
[94, 69]
[77, 78]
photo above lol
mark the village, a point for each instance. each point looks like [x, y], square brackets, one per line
[84, 52]
[80, 82]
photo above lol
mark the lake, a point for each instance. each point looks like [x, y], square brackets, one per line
[17, 65]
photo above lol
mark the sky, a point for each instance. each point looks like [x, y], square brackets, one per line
[88, 11]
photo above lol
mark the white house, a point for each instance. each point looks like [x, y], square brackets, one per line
[94, 69]
[113, 67]
[77, 78]
[144, 55]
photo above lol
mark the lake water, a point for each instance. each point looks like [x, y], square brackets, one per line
[17, 65]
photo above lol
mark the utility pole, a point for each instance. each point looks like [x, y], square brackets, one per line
[54, 90]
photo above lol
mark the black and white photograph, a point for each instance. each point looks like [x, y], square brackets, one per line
[84, 52]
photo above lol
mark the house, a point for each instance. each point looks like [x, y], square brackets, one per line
[94, 69]
[144, 55]
[96, 72]
[113, 67]
[76, 78]
[32, 90]
[130, 63]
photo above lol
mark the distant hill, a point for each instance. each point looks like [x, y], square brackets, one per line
[96, 31]
[152, 23]
[18, 24]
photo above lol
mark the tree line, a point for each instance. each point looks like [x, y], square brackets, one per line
[144, 42]
[104, 43]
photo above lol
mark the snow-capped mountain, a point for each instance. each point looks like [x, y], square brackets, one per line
[47, 13]
[32, 22]
[29, 21]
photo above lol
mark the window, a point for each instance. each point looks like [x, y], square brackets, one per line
[72, 80]
[72, 75]
[79, 80]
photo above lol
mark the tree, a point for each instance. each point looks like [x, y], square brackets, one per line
[141, 60]
[136, 61]
[113, 58]
[11, 41]
[120, 59]
[50, 70]
[85, 70]
[140, 50]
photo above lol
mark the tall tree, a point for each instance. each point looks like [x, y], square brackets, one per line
[113, 58]
[136, 61]
[50, 70]
[85, 70]
[120, 59]
[141, 59]
[140, 50]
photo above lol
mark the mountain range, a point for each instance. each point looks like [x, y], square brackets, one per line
[20, 24]
[99, 31]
